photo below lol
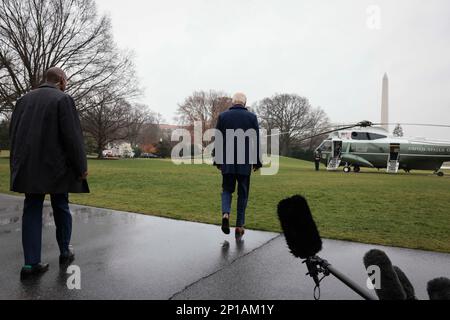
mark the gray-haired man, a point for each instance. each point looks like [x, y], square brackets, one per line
[236, 167]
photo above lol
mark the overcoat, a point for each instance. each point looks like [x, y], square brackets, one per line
[238, 119]
[47, 145]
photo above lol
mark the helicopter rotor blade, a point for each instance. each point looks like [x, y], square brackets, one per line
[360, 124]
[413, 125]
[363, 124]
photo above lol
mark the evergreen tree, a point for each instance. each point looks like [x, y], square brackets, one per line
[398, 131]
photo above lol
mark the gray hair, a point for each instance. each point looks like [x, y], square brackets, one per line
[240, 98]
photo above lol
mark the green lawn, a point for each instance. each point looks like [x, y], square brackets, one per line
[4, 154]
[405, 210]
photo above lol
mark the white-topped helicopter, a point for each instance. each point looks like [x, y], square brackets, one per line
[365, 145]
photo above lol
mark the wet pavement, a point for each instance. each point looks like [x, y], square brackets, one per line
[129, 256]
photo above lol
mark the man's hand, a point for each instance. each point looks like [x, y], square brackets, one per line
[256, 168]
[84, 176]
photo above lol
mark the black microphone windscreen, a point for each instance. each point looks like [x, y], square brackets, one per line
[406, 284]
[390, 287]
[439, 289]
[299, 228]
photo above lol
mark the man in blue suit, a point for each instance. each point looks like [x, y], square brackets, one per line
[237, 153]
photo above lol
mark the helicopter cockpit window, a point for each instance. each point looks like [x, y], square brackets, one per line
[325, 146]
[367, 136]
[376, 136]
[360, 136]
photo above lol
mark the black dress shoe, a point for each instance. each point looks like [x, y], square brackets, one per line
[67, 258]
[34, 271]
[226, 225]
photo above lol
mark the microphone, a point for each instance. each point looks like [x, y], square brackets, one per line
[406, 284]
[439, 289]
[299, 228]
[390, 287]
[304, 241]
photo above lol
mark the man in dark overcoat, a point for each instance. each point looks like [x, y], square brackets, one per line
[47, 157]
[237, 153]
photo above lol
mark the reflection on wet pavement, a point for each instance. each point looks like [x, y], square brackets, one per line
[130, 256]
[121, 255]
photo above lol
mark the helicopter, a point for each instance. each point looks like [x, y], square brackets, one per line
[365, 145]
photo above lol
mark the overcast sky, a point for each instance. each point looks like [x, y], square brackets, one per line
[328, 51]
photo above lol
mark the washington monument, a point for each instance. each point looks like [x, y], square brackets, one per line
[385, 103]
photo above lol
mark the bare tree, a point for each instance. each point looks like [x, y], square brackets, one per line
[319, 123]
[106, 122]
[151, 132]
[138, 117]
[204, 107]
[38, 34]
[292, 115]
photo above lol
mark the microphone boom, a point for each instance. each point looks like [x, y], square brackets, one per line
[304, 241]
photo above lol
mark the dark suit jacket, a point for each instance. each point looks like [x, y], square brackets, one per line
[238, 117]
[47, 147]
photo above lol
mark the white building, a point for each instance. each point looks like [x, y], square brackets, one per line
[119, 150]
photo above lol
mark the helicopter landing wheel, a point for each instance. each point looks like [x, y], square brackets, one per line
[347, 169]
[357, 169]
